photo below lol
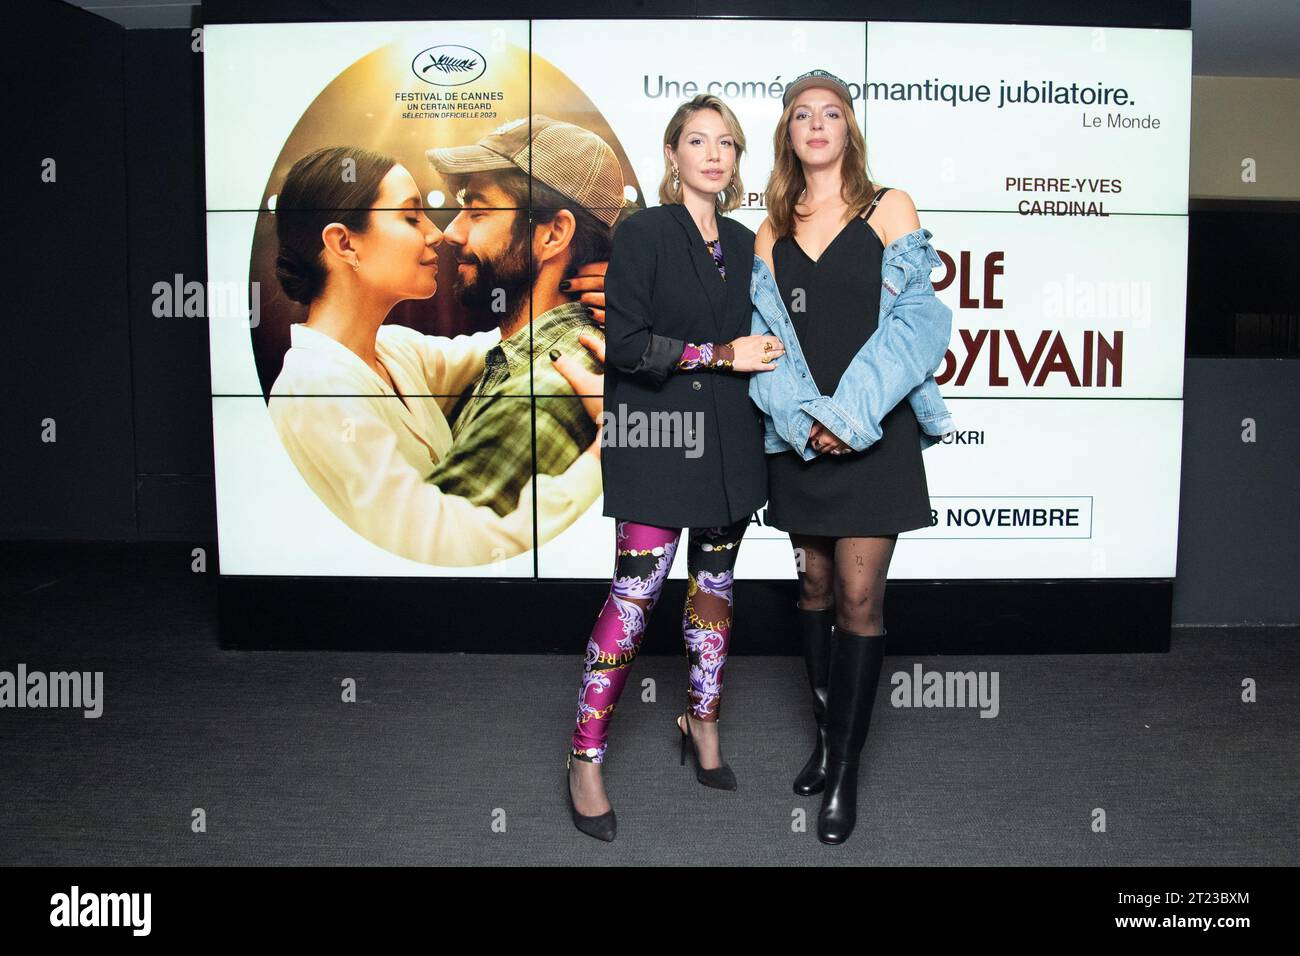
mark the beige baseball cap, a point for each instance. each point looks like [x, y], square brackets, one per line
[573, 161]
[817, 78]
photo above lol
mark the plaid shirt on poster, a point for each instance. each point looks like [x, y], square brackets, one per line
[491, 457]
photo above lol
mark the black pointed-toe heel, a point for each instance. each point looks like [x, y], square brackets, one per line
[602, 826]
[719, 778]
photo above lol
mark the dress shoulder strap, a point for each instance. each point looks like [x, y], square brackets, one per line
[879, 195]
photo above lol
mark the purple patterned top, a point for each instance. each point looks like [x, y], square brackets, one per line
[701, 356]
[715, 249]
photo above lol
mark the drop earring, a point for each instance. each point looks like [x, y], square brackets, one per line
[356, 263]
[677, 183]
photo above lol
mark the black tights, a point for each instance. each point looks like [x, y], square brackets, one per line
[848, 573]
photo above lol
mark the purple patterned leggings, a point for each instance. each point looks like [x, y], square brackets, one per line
[642, 557]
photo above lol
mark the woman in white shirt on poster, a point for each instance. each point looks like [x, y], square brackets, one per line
[351, 248]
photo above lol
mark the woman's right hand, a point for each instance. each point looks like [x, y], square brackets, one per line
[589, 386]
[756, 353]
[824, 440]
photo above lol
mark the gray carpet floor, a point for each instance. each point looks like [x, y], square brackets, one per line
[459, 759]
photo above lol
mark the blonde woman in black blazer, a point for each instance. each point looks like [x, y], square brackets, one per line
[682, 442]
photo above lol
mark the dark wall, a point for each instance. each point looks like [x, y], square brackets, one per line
[129, 392]
[67, 355]
[1238, 533]
[170, 372]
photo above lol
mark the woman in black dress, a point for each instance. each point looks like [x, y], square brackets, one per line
[827, 228]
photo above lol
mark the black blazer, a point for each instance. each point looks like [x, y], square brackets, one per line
[662, 290]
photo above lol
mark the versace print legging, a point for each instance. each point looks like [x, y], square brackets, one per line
[643, 555]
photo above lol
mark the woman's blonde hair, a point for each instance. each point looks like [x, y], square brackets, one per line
[786, 183]
[730, 197]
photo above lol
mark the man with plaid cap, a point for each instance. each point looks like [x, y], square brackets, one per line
[573, 183]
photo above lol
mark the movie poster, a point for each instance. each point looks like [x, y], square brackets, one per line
[1050, 163]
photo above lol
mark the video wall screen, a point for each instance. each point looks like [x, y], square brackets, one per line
[1050, 164]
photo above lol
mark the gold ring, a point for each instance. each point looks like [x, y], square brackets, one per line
[767, 346]
[766, 359]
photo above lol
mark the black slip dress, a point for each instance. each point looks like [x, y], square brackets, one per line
[877, 492]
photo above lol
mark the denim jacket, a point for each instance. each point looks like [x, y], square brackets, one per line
[897, 362]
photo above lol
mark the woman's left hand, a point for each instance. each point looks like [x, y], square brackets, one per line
[756, 353]
[590, 281]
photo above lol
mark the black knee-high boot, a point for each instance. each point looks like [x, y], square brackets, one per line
[815, 634]
[856, 660]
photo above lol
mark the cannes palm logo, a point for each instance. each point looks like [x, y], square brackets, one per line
[449, 65]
